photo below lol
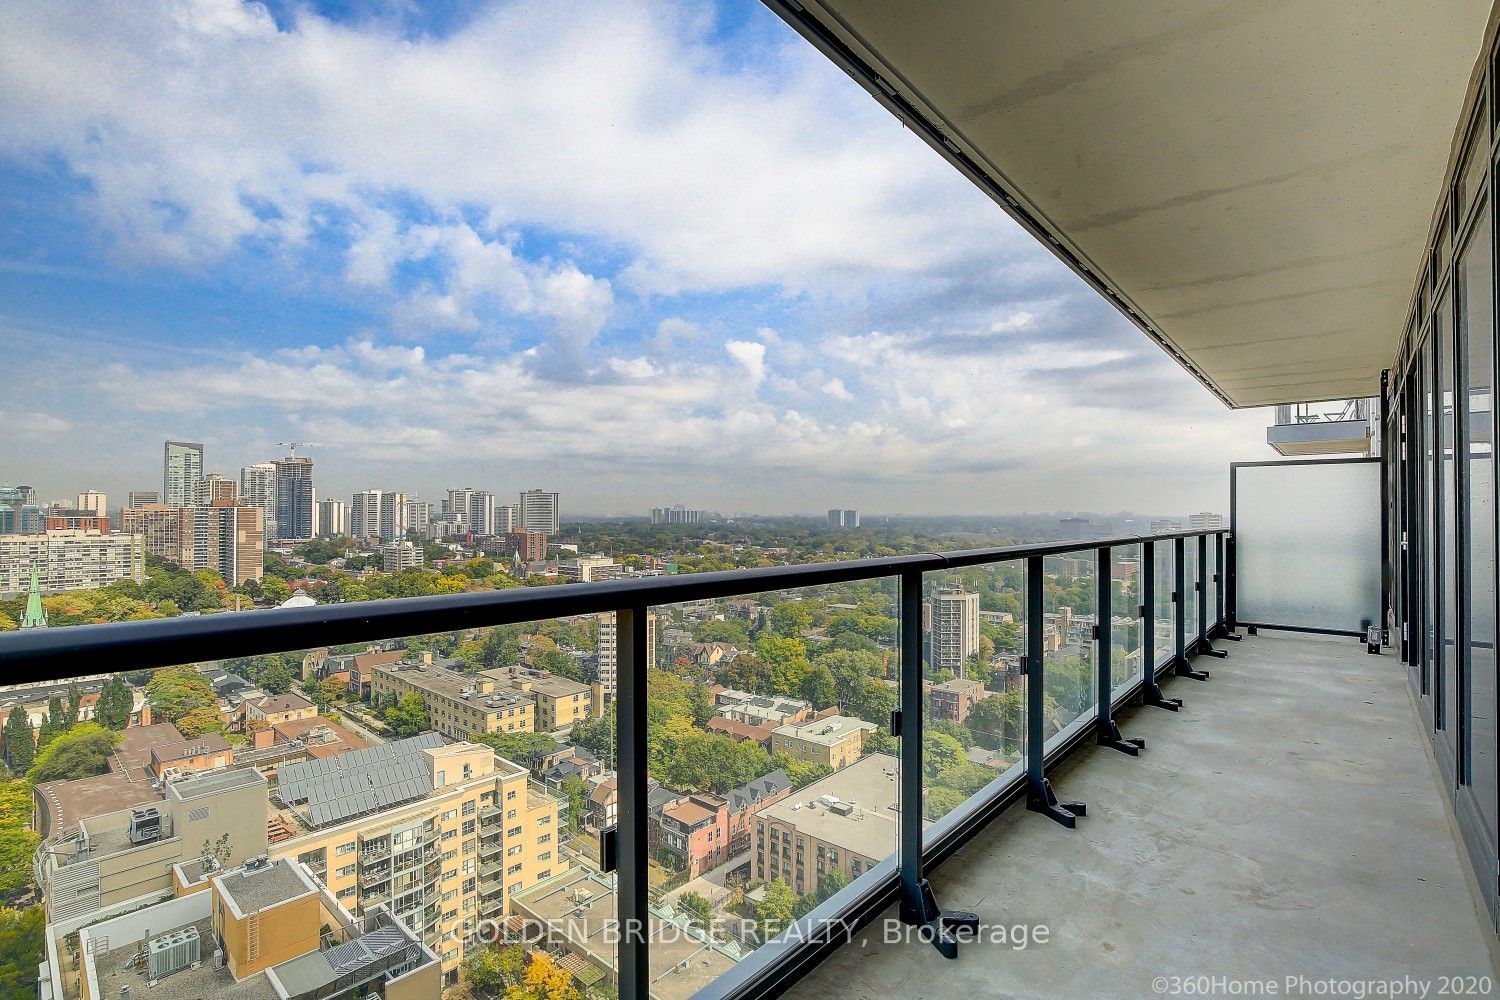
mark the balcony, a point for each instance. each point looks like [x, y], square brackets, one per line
[1348, 427]
[1257, 840]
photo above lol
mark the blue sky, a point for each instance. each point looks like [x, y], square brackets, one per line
[642, 253]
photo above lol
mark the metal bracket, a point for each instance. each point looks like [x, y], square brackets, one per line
[609, 848]
[939, 929]
[1043, 800]
[1108, 735]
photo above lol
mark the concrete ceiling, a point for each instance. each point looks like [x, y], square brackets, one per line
[1254, 182]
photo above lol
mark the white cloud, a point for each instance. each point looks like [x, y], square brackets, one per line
[835, 388]
[751, 355]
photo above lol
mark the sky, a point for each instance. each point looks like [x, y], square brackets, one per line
[640, 253]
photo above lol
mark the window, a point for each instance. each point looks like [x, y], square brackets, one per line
[468, 806]
[450, 815]
[346, 872]
[544, 856]
[469, 885]
[514, 831]
[345, 849]
[510, 795]
[468, 827]
[513, 870]
[513, 851]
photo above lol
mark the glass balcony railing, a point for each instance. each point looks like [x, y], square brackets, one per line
[890, 708]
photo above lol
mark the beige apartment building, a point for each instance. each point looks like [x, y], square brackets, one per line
[459, 705]
[227, 537]
[69, 559]
[845, 822]
[114, 859]
[955, 628]
[559, 701]
[835, 741]
[441, 836]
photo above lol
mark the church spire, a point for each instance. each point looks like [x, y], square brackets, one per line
[34, 617]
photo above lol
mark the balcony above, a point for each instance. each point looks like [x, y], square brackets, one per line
[1346, 427]
[1286, 822]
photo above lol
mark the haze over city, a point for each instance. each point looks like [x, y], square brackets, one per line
[641, 252]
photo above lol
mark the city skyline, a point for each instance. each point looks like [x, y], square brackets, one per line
[813, 291]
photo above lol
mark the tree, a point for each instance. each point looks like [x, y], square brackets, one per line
[698, 909]
[274, 590]
[53, 724]
[818, 687]
[575, 793]
[828, 883]
[17, 840]
[75, 705]
[787, 659]
[745, 672]
[714, 630]
[518, 748]
[491, 971]
[200, 721]
[20, 744]
[79, 753]
[776, 911]
[995, 721]
[22, 941]
[409, 717]
[276, 680]
[175, 691]
[112, 711]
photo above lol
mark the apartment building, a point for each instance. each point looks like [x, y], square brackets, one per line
[262, 930]
[475, 509]
[227, 538]
[258, 490]
[845, 822]
[560, 702]
[694, 833]
[182, 466]
[609, 650]
[539, 511]
[105, 861]
[760, 709]
[588, 569]
[333, 519]
[398, 556]
[459, 705]
[440, 836]
[835, 741]
[279, 708]
[953, 700]
[955, 628]
[69, 559]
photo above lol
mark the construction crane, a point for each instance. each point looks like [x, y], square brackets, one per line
[292, 446]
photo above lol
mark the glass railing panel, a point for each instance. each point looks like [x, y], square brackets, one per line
[974, 698]
[1162, 616]
[1125, 602]
[775, 776]
[1070, 689]
[1210, 584]
[1190, 590]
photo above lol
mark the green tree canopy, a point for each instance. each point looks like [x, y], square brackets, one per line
[175, 691]
[81, 752]
[112, 710]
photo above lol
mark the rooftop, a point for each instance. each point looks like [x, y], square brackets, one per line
[332, 789]
[288, 702]
[116, 969]
[869, 785]
[828, 731]
[66, 803]
[249, 889]
[440, 679]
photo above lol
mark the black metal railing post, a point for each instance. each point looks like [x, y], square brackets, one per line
[917, 906]
[1151, 692]
[1179, 613]
[1039, 795]
[633, 891]
[1106, 730]
[1202, 589]
[1210, 584]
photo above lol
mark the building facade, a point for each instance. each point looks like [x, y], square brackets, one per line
[70, 559]
[295, 497]
[459, 705]
[333, 519]
[609, 650]
[955, 628]
[540, 511]
[182, 467]
[258, 490]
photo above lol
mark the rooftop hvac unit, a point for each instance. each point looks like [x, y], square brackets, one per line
[145, 825]
[842, 808]
[173, 953]
[256, 864]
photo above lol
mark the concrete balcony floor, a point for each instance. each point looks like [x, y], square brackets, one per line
[1287, 822]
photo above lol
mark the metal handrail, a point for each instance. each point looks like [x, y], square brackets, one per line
[50, 653]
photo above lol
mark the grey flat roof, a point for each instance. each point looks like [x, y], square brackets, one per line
[115, 969]
[871, 785]
[220, 781]
[259, 888]
[359, 781]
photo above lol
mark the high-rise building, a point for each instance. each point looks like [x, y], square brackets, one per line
[227, 538]
[333, 519]
[295, 497]
[215, 489]
[528, 546]
[181, 468]
[1164, 526]
[94, 502]
[507, 518]
[1205, 522]
[843, 517]
[140, 498]
[258, 490]
[1074, 527]
[378, 514]
[475, 507]
[676, 515]
[70, 559]
[19, 513]
[955, 628]
[418, 516]
[609, 650]
[540, 511]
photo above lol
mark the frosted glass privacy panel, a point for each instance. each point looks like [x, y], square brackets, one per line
[1307, 544]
